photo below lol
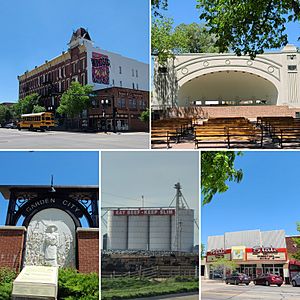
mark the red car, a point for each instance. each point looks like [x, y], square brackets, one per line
[237, 278]
[268, 279]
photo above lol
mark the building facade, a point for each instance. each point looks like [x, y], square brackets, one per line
[118, 109]
[213, 79]
[87, 64]
[255, 252]
[150, 229]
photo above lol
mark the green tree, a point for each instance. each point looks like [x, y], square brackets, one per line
[297, 242]
[145, 116]
[38, 109]
[196, 39]
[26, 105]
[217, 168]
[202, 250]
[75, 99]
[224, 264]
[167, 41]
[249, 26]
[6, 114]
[157, 6]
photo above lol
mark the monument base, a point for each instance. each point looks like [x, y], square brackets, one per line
[36, 282]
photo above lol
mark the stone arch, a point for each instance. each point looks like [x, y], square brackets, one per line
[193, 68]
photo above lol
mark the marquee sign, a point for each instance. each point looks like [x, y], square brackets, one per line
[264, 250]
[100, 68]
[216, 254]
[266, 253]
[144, 212]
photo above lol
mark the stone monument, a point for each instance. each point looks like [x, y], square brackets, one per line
[36, 282]
[52, 235]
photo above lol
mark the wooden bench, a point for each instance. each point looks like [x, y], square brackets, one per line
[164, 136]
[215, 137]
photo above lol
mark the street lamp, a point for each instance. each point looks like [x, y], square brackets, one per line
[104, 102]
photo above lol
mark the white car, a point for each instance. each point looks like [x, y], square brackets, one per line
[296, 280]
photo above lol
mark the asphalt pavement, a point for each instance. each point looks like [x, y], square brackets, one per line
[221, 291]
[24, 139]
[183, 296]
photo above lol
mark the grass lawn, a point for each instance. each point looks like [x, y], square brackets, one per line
[127, 288]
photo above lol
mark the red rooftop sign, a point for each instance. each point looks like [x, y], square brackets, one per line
[144, 212]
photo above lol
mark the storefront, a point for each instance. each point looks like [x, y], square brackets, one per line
[254, 252]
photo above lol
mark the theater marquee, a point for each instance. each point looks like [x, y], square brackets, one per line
[266, 253]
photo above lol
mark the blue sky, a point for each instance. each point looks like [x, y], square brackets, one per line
[36, 30]
[266, 199]
[126, 176]
[36, 168]
[186, 12]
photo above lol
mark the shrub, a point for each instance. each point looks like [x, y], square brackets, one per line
[79, 286]
[7, 275]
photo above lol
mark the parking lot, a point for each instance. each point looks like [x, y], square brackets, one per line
[215, 290]
[24, 139]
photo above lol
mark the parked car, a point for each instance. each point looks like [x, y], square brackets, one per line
[296, 280]
[237, 278]
[268, 279]
[10, 126]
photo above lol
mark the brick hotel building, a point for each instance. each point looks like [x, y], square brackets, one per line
[121, 84]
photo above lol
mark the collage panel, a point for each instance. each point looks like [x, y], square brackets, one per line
[222, 78]
[149, 225]
[250, 225]
[81, 80]
[49, 225]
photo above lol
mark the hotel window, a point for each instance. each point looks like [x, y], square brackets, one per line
[136, 73]
[137, 86]
[121, 103]
[83, 79]
[113, 82]
[121, 83]
[132, 103]
[132, 72]
[120, 70]
[143, 104]
[133, 85]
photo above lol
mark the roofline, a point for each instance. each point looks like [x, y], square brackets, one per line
[6, 189]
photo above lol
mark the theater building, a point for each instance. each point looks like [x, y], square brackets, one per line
[255, 252]
[227, 85]
[87, 64]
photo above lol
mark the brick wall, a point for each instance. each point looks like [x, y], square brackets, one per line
[250, 112]
[88, 250]
[11, 246]
[291, 246]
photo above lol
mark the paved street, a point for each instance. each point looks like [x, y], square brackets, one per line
[184, 296]
[221, 291]
[14, 139]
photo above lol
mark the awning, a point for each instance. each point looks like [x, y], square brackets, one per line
[294, 262]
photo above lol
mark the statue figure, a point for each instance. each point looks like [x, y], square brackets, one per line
[51, 242]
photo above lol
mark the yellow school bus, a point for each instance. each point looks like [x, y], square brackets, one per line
[43, 121]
